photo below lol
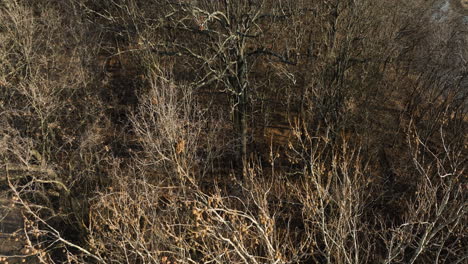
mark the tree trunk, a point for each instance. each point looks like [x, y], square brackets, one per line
[240, 116]
[243, 131]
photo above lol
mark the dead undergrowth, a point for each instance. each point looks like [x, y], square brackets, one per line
[232, 132]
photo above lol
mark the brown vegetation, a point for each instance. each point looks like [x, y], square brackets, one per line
[249, 131]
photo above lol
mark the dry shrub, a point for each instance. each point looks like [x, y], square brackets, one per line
[137, 221]
[178, 137]
[432, 228]
[333, 185]
[44, 79]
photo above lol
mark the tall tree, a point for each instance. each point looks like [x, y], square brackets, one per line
[221, 40]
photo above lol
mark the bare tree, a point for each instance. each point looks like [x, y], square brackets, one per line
[220, 41]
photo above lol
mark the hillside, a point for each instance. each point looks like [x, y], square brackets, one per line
[249, 131]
